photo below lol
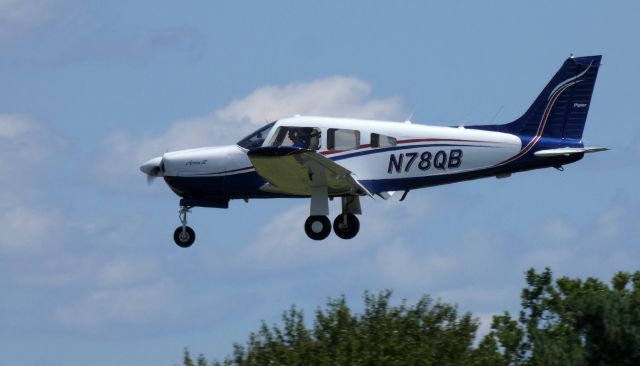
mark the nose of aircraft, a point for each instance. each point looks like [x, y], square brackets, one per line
[153, 167]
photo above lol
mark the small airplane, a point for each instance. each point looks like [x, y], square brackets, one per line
[322, 158]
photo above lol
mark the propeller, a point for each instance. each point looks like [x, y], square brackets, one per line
[153, 168]
[151, 179]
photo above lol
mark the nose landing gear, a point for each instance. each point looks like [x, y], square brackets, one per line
[184, 236]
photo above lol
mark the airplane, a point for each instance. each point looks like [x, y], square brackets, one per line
[323, 158]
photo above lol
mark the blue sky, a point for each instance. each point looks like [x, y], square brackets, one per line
[89, 90]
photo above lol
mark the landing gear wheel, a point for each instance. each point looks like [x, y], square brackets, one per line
[317, 227]
[348, 229]
[184, 236]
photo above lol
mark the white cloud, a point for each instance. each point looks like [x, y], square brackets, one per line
[62, 270]
[119, 306]
[483, 295]
[436, 262]
[610, 223]
[123, 271]
[24, 145]
[546, 255]
[26, 229]
[399, 265]
[334, 96]
[134, 46]
[48, 249]
[24, 11]
[15, 125]
[281, 244]
[20, 17]
[559, 229]
[337, 96]
[121, 292]
[22, 140]
[76, 265]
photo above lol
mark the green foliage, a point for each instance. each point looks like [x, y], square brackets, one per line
[187, 361]
[428, 333]
[572, 322]
[566, 322]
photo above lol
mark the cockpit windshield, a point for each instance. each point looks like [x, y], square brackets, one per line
[256, 138]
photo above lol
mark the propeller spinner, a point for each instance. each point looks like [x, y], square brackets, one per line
[153, 168]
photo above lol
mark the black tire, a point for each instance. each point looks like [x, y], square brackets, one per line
[313, 231]
[350, 230]
[184, 239]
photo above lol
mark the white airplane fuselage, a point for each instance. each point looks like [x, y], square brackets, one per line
[323, 157]
[423, 156]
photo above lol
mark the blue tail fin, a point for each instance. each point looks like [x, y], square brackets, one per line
[560, 111]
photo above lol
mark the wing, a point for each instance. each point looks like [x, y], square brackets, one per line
[292, 170]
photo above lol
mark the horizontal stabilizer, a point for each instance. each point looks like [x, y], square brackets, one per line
[566, 151]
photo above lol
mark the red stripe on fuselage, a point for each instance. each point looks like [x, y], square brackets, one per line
[543, 122]
[409, 141]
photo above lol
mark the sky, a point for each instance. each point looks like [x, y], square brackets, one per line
[89, 90]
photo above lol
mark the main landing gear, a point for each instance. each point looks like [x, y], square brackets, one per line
[184, 236]
[346, 225]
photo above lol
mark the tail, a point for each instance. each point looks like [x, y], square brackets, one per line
[560, 111]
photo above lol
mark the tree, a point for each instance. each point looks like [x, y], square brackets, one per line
[562, 322]
[572, 322]
[187, 361]
[427, 333]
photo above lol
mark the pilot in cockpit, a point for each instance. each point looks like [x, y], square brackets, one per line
[297, 137]
[304, 137]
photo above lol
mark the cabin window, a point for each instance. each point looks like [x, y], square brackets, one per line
[303, 137]
[378, 140]
[342, 139]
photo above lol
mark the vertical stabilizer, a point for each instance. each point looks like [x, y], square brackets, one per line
[560, 111]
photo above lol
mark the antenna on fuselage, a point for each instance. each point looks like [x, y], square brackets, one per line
[408, 119]
[497, 113]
